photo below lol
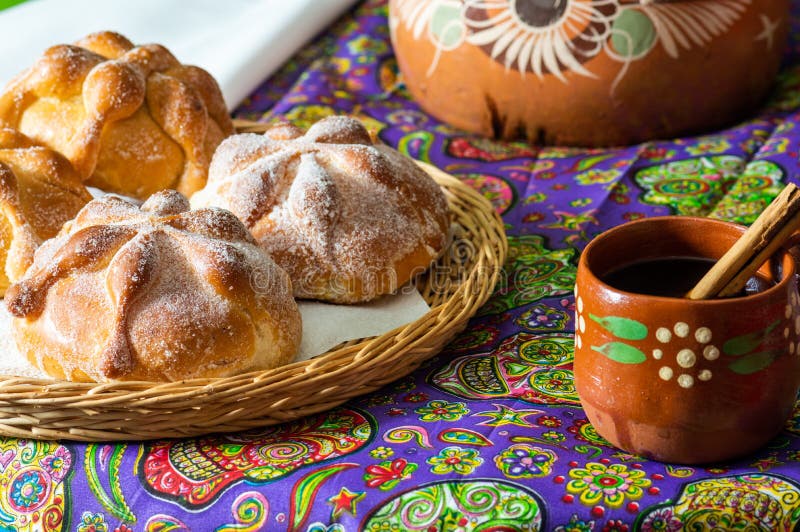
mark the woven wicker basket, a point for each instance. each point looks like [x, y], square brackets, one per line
[464, 279]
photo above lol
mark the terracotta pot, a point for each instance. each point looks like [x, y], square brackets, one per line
[678, 380]
[588, 72]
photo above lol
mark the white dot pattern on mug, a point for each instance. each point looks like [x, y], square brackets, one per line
[693, 359]
[681, 329]
[710, 353]
[686, 358]
[703, 335]
[663, 335]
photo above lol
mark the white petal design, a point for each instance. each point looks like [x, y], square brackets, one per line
[536, 58]
[552, 48]
[698, 34]
[502, 43]
[525, 54]
[490, 35]
[422, 15]
[415, 15]
[565, 56]
[550, 58]
[676, 30]
[692, 23]
[714, 24]
[665, 37]
[513, 50]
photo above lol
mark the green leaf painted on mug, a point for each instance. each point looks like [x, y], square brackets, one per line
[620, 352]
[624, 328]
[746, 343]
[753, 363]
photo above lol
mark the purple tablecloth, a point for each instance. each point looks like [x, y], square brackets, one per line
[489, 435]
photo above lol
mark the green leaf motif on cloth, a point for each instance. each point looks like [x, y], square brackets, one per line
[624, 328]
[304, 492]
[633, 33]
[621, 352]
[115, 502]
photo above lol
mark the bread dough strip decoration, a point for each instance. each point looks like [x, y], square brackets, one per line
[131, 119]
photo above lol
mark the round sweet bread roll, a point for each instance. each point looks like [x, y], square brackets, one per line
[131, 119]
[157, 293]
[39, 191]
[348, 218]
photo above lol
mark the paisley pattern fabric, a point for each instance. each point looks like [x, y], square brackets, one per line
[489, 434]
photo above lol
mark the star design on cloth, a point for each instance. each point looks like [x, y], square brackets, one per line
[345, 501]
[768, 33]
[765, 464]
[573, 222]
[504, 415]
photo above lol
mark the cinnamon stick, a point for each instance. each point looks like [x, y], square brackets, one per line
[768, 233]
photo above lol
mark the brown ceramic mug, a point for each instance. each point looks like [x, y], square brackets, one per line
[679, 380]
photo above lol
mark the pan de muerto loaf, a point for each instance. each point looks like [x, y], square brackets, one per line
[39, 191]
[348, 218]
[131, 119]
[153, 293]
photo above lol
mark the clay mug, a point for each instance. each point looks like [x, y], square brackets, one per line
[678, 380]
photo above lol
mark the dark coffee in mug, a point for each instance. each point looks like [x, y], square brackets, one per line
[670, 277]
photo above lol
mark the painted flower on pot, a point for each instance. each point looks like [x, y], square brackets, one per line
[543, 37]
[455, 460]
[556, 37]
[610, 485]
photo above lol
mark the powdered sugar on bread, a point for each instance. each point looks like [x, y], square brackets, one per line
[349, 219]
[153, 293]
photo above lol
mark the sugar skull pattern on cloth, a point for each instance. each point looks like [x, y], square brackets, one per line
[33, 480]
[489, 434]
